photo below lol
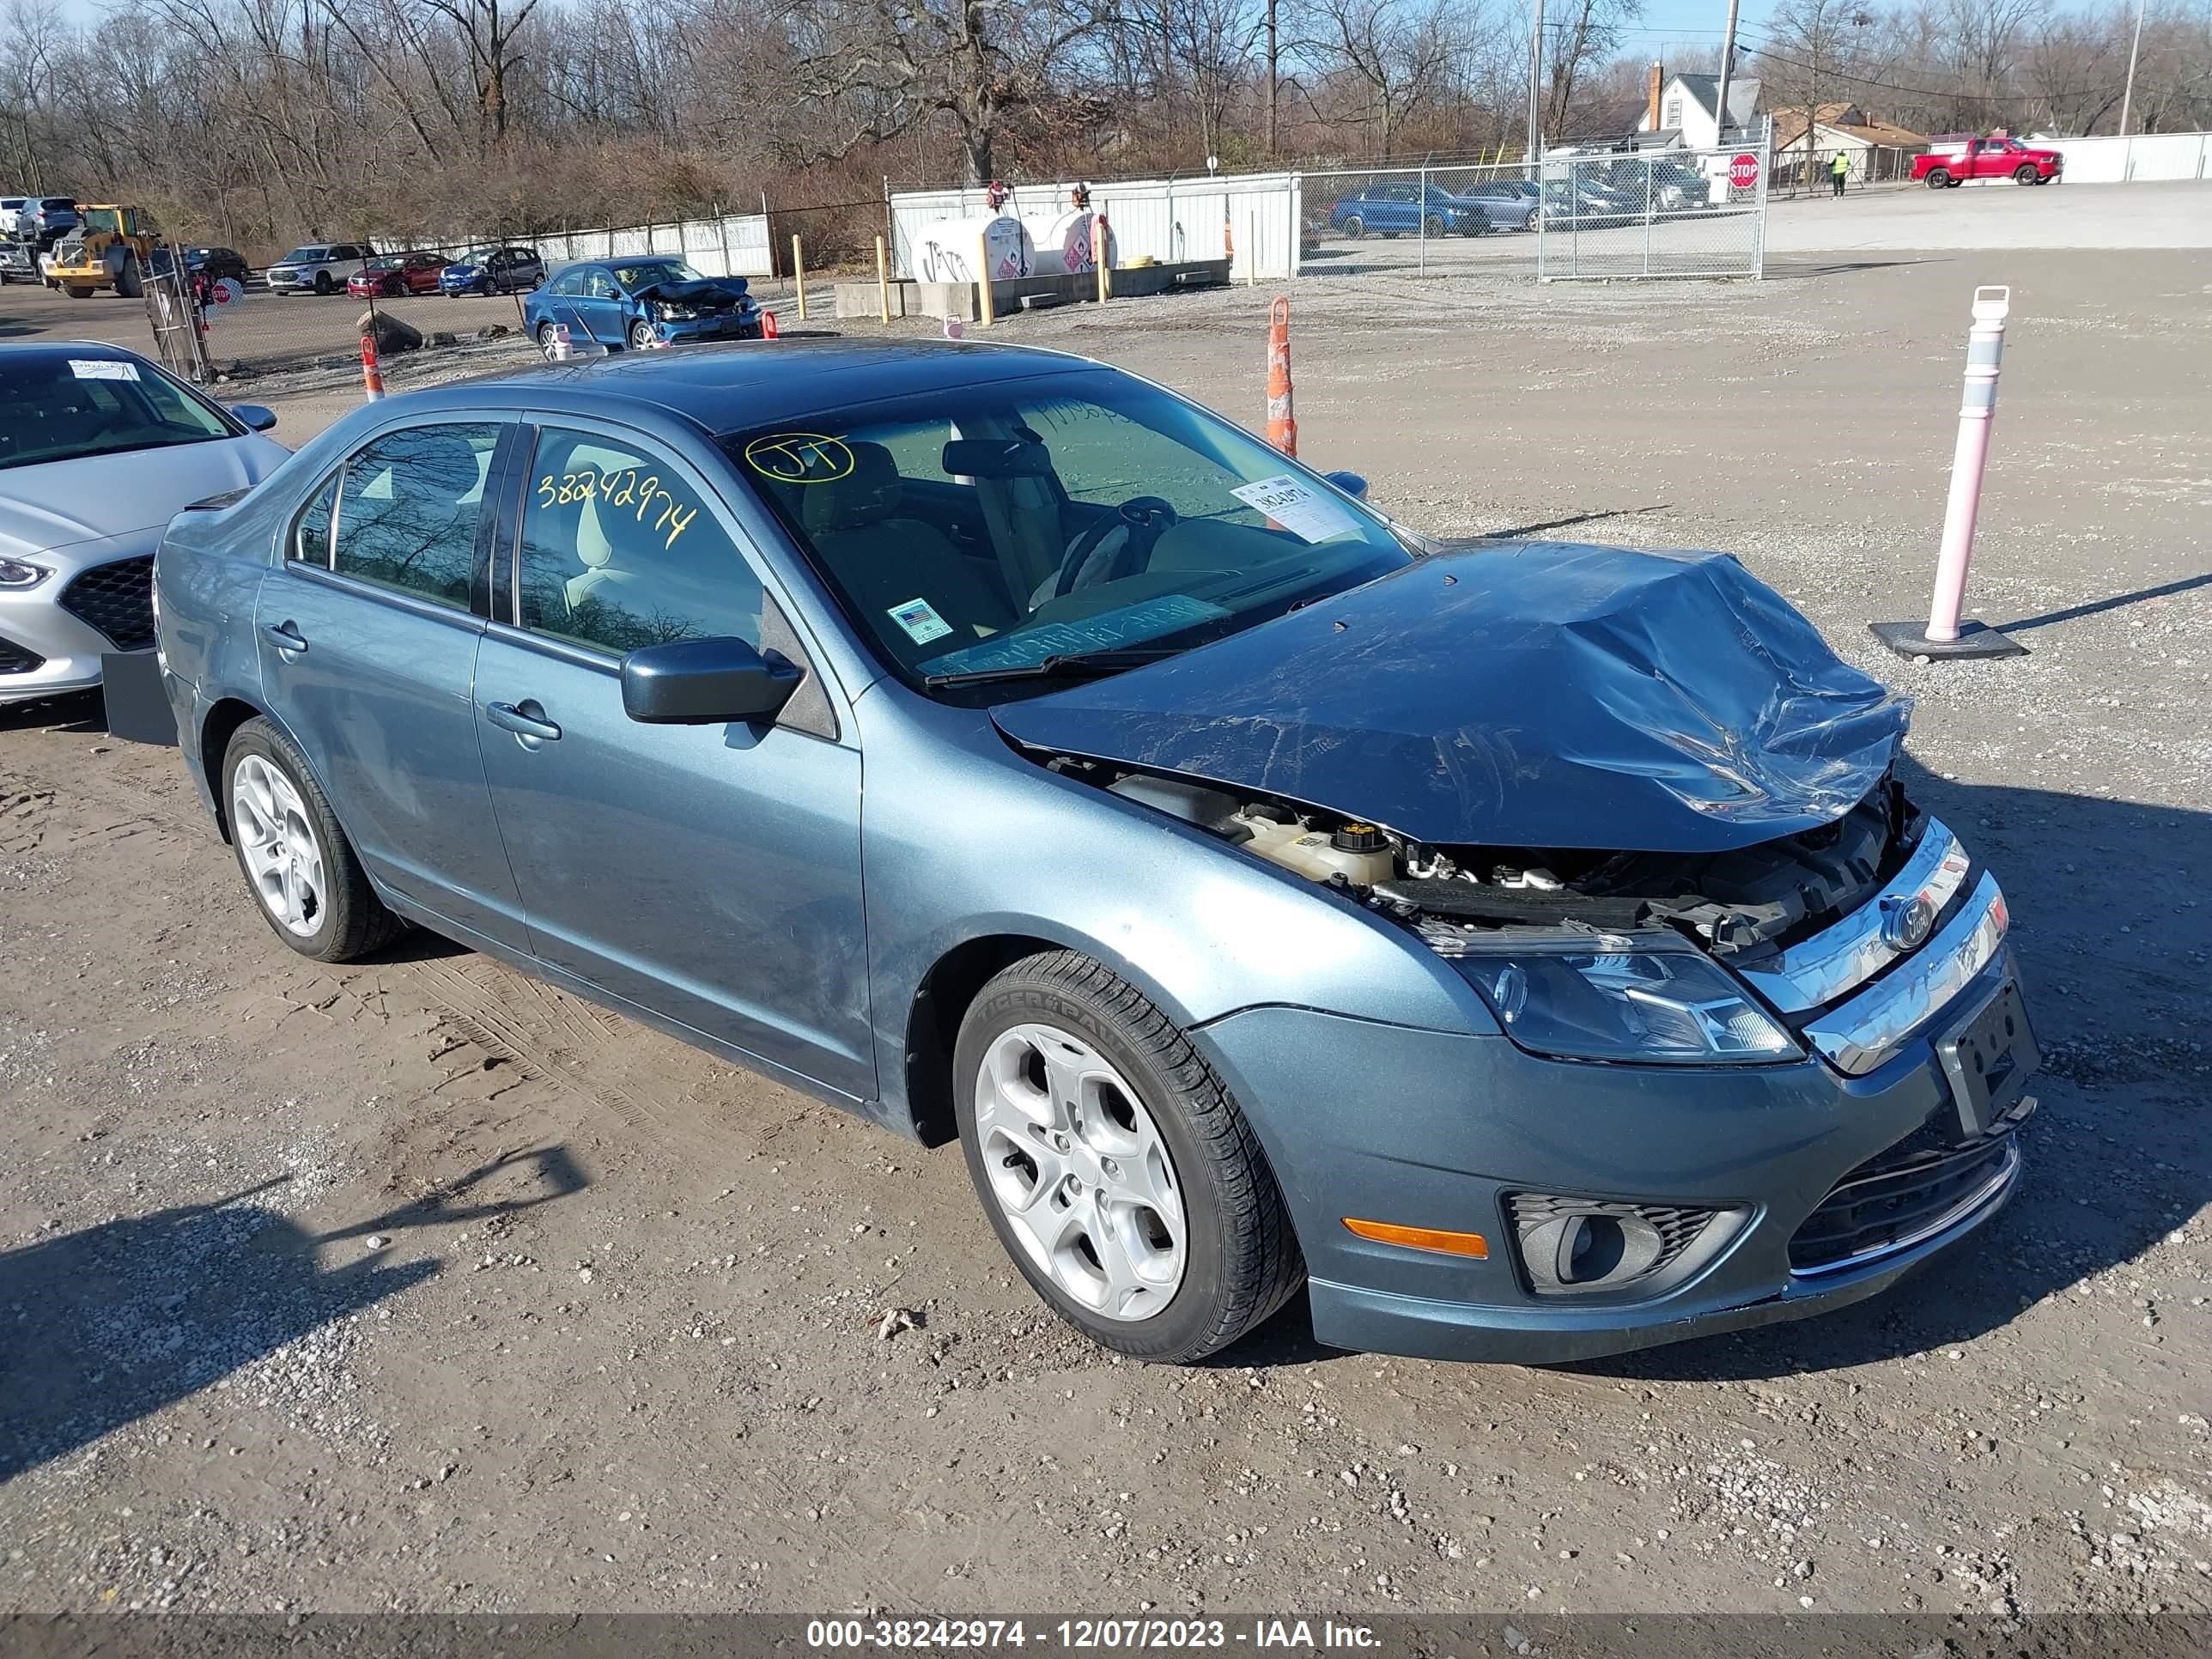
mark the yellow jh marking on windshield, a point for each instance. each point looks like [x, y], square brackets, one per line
[799, 458]
[624, 488]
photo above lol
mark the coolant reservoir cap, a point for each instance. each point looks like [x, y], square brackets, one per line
[1359, 838]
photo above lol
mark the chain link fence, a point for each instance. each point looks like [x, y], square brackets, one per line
[1653, 213]
[1420, 222]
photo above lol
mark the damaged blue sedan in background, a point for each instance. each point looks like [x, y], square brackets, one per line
[635, 304]
[1530, 950]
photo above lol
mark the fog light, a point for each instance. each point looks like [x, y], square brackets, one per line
[1577, 1246]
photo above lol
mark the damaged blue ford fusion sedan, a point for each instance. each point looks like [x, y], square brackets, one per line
[1529, 948]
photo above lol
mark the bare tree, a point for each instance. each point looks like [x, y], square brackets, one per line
[1589, 32]
[1397, 57]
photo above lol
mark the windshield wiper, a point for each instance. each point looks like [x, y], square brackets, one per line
[1062, 662]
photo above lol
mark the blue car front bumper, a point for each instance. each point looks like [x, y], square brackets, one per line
[731, 326]
[1432, 1129]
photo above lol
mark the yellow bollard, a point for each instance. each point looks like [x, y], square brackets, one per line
[799, 273]
[883, 278]
[1101, 245]
[985, 312]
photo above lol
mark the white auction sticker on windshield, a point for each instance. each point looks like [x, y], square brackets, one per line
[921, 621]
[100, 369]
[1296, 506]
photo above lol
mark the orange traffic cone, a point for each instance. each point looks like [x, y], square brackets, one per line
[1282, 425]
[769, 330]
[371, 377]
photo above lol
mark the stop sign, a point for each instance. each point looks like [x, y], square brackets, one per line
[1743, 171]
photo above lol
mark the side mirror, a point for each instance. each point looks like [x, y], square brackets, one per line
[1349, 482]
[258, 417]
[704, 683]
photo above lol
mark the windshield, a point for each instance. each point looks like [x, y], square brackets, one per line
[103, 219]
[60, 407]
[385, 262]
[475, 256]
[644, 273]
[1010, 528]
[304, 256]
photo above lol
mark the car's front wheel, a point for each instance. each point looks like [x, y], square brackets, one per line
[1355, 226]
[311, 888]
[323, 284]
[641, 336]
[1117, 1170]
[2024, 174]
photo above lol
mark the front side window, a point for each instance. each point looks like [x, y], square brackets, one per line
[619, 552]
[408, 510]
[992, 528]
[310, 531]
[598, 285]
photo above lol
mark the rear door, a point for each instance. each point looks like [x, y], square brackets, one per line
[710, 874]
[367, 633]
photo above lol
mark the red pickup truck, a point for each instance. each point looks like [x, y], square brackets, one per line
[1949, 165]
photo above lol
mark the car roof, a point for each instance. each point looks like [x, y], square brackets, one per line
[755, 383]
[98, 351]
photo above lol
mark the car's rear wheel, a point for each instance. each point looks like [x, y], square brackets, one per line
[1355, 226]
[2024, 173]
[1117, 1170]
[546, 336]
[296, 860]
[1433, 225]
[1938, 177]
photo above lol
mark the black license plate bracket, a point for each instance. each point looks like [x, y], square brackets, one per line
[1988, 1057]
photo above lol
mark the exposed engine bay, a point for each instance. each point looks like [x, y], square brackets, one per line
[1743, 904]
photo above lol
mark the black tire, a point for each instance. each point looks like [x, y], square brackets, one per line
[2024, 173]
[1355, 226]
[1243, 1261]
[1433, 225]
[641, 336]
[323, 284]
[354, 921]
[545, 337]
[77, 291]
[1938, 177]
[128, 281]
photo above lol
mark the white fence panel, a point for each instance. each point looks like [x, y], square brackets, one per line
[1170, 220]
[2140, 158]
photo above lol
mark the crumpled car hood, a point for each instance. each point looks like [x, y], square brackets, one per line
[709, 294]
[1543, 695]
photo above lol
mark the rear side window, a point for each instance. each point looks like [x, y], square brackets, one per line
[618, 551]
[408, 510]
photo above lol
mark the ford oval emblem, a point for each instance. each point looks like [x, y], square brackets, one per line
[1906, 923]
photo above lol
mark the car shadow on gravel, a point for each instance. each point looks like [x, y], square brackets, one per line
[2112, 938]
[111, 1323]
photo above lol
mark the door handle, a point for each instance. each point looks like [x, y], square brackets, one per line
[508, 718]
[285, 636]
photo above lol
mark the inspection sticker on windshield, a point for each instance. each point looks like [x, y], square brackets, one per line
[920, 619]
[100, 368]
[1296, 506]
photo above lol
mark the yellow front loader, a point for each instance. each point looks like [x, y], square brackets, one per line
[111, 247]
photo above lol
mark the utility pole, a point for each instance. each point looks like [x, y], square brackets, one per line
[1536, 153]
[2128, 98]
[1728, 67]
[1273, 80]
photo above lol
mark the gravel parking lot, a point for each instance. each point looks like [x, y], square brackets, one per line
[416, 1286]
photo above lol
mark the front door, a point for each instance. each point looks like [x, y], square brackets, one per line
[369, 633]
[709, 873]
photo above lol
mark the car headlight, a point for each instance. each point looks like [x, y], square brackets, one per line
[17, 575]
[1658, 1006]
[669, 313]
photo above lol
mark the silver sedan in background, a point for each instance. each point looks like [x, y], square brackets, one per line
[99, 449]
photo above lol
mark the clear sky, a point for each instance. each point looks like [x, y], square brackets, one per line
[1693, 23]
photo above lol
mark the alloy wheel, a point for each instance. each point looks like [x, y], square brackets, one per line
[1079, 1167]
[276, 840]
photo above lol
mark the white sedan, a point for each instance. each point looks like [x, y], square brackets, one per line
[99, 449]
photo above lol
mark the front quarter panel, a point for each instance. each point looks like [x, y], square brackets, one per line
[964, 838]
